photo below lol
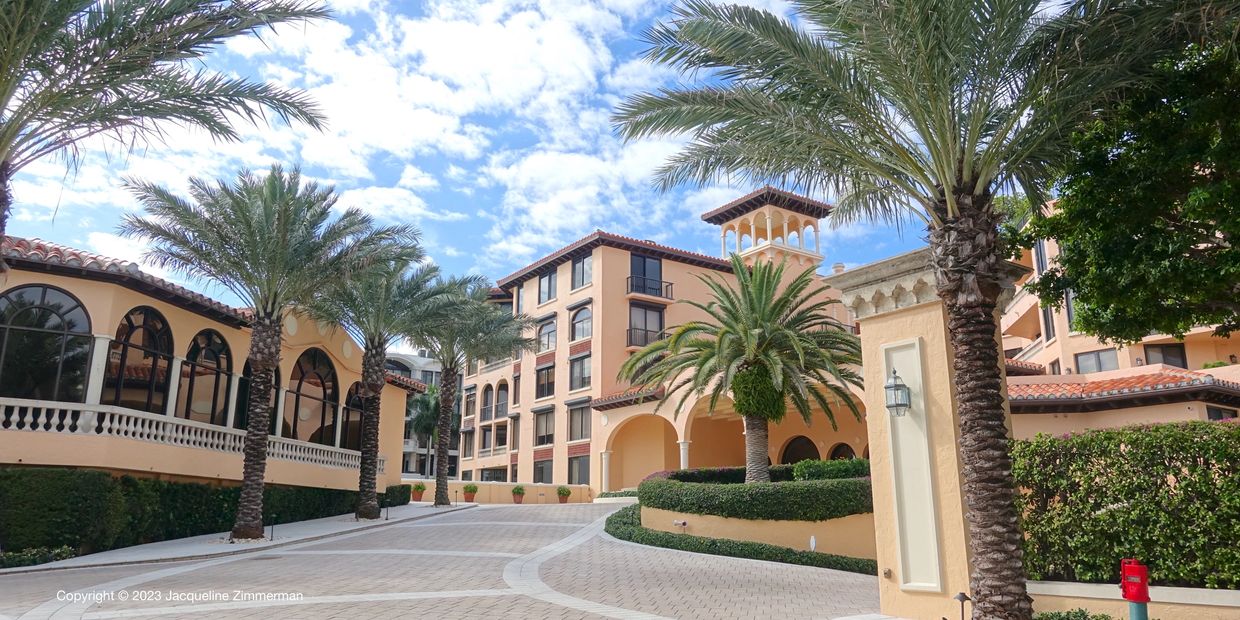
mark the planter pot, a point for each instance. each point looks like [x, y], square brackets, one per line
[417, 495]
[469, 497]
[517, 499]
[563, 499]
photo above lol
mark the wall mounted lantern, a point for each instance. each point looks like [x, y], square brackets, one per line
[899, 398]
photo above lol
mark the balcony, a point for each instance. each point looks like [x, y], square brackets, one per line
[642, 337]
[486, 413]
[647, 286]
[501, 411]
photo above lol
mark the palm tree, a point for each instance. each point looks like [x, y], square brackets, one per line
[472, 330]
[74, 69]
[374, 309]
[765, 346]
[423, 415]
[898, 109]
[273, 242]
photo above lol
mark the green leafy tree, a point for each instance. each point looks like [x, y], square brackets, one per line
[1148, 222]
[74, 69]
[423, 417]
[273, 242]
[899, 109]
[766, 344]
[472, 330]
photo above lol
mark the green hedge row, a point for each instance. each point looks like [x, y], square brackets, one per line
[831, 470]
[625, 493]
[810, 500]
[1075, 614]
[396, 495]
[1167, 494]
[625, 524]
[38, 555]
[92, 511]
[719, 475]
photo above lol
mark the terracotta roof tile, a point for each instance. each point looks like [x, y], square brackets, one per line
[1158, 383]
[624, 398]
[1018, 367]
[764, 196]
[405, 383]
[598, 238]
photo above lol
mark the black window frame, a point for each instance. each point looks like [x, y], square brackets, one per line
[547, 337]
[122, 347]
[582, 271]
[576, 473]
[548, 437]
[582, 317]
[203, 360]
[546, 287]
[1097, 354]
[308, 365]
[579, 420]
[579, 373]
[544, 382]
[71, 331]
[547, 467]
[1161, 349]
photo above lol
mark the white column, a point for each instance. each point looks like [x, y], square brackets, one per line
[234, 385]
[279, 412]
[738, 239]
[817, 245]
[785, 239]
[723, 243]
[768, 228]
[174, 387]
[340, 424]
[684, 454]
[98, 369]
[801, 237]
[606, 469]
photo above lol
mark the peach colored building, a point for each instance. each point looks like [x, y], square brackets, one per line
[105, 366]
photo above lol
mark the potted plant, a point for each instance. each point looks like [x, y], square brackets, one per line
[418, 489]
[518, 494]
[563, 492]
[471, 490]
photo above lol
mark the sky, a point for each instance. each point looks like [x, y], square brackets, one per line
[484, 123]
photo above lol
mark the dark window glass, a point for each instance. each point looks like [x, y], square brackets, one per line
[45, 345]
[241, 418]
[579, 423]
[583, 271]
[310, 405]
[206, 378]
[139, 362]
[544, 382]
[488, 404]
[467, 444]
[645, 324]
[582, 324]
[546, 336]
[1039, 256]
[544, 428]
[1096, 361]
[516, 390]
[398, 367]
[351, 425]
[579, 373]
[579, 470]
[1170, 354]
[1054, 367]
[546, 287]
[646, 275]
[486, 438]
[542, 472]
[1219, 413]
[1048, 323]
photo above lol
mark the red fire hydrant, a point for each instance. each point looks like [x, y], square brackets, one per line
[1134, 586]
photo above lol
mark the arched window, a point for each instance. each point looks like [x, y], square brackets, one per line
[801, 448]
[546, 336]
[351, 432]
[501, 399]
[582, 325]
[310, 405]
[842, 452]
[488, 400]
[139, 360]
[206, 377]
[241, 418]
[398, 367]
[44, 344]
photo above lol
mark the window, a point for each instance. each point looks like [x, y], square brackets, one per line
[45, 345]
[583, 271]
[1039, 257]
[206, 378]
[645, 324]
[513, 473]
[544, 428]
[542, 472]
[1219, 413]
[501, 400]
[241, 418]
[471, 404]
[546, 336]
[486, 438]
[579, 423]
[842, 452]
[546, 287]
[139, 361]
[646, 275]
[310, 405]
[579, 373]
[430, 377]
[467, 476]
[579, 470]
[1070, 307]
[582, 324]
[1096, 361]
[1170, 354]
[398, 367]
[488, 398]
[520, 300]
[467, 444]
[1054, 367]
[544, 382]
[493, 474]
[513, 441]
[516, 390]
[501, 435]
[1048, 323]
[351, 425]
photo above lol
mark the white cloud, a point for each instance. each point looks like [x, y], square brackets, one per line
[393, 204]
[413, 177]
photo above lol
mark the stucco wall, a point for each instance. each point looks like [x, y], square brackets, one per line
[1027, 425]
[1166, 603]
[851, 536]
[501, 492]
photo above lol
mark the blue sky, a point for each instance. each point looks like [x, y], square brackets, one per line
[485, 123]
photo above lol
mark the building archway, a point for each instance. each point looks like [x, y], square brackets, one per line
[139, 362]
[640, 446]
[842, 451]
[799, 448]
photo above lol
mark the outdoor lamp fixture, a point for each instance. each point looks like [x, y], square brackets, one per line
[898, 396]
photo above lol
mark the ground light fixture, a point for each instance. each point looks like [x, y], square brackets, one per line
[899, 397]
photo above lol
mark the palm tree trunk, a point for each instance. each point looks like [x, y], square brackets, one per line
[372, 388]
[264, 357]
[757, 447]
[967, 264]
[447, 399]
[6, 198]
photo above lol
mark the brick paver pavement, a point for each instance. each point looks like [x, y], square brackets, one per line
[542, 561]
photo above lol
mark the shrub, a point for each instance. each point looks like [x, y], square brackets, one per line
[471, 488]
[518, 490]
[719, 475]
[36, 555]
[626, 493]
[420, 487]
[563, 491]
[397, 495]
[1214, 364]
[810, 500]
[625, 524]
[1075, 614]
[1167, 494]
[831, 470]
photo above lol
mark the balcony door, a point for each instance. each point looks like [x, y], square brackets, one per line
[647, 275]
[645, 324]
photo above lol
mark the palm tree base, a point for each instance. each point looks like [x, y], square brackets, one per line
[368, 512]
[247, 532]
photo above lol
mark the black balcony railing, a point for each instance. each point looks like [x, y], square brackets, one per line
[486, 413]
[643, 337]
[501, 411]
[650, 286]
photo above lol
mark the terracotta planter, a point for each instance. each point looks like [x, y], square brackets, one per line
[417, 495]
[469, 497]
[517, 499]
[563, 499]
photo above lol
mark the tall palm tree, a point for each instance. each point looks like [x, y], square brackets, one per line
[766, 345]
[424, 417]
[74, 69]
[472, 330]
[374, 309]
[273, 242]
[899, 109]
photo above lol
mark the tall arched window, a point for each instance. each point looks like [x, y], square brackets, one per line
[842, 452]
[139, 361]
[351, 432]
[206, 377]
[488, 402]
[582, 324]
[501, 399]
[44, 344]
[800, 448]
[241, 417]
[310, 405]
[546, 336]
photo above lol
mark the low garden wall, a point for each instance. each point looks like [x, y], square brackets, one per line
[501, 492]
[1166, 603]
[851, 536]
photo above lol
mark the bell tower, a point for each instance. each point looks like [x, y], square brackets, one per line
[771, 224]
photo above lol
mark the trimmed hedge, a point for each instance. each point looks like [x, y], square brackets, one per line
[810, 500]
[1167, 494]
[1075, 614]
[38, 555]
[831, 470]
[397, 495]
[625, 524]
[628, 493]
[91, 511]
[719, 475]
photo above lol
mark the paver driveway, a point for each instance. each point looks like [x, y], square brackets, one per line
[486, 562]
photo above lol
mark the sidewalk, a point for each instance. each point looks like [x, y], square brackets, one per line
[215, 545]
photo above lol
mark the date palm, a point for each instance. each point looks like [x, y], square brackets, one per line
[903, 107]
[374, 309]
[472, 329]
[273, 242]
[74, 69]
[764, 343]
